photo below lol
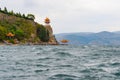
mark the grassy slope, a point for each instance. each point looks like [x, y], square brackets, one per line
[24, 30]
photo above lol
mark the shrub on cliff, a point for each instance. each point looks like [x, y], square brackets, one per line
[42, 33]
[3, 32]
[31, 16]
[19, 34]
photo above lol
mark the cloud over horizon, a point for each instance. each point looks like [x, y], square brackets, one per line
[71, 15]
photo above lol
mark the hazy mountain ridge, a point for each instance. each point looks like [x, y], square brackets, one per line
[101, 38]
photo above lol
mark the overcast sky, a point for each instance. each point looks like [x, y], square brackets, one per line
[71, 15]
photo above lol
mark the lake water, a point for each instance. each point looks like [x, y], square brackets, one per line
[60, 62]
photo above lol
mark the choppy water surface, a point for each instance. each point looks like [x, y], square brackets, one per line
[59, 62]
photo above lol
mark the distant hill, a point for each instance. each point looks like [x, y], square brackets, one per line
[101, 38]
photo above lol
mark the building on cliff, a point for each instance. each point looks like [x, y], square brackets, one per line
[52, 39]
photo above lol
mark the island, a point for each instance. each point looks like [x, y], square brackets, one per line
[17, 28]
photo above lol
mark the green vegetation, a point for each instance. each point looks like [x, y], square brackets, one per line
[45, 34]
[29, 16]
[22, 27]
[3, 32]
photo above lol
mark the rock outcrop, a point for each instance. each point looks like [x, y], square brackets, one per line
[52, 39]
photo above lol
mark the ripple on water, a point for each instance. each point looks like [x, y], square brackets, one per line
[39, 48]
[66, 65]
[41, 65]
[102, 65]
[43, 59]
[63, 54]
[59, 63]
[116, 73]
[63, 77]
[114, 64]
[40, 70]
[91, 70]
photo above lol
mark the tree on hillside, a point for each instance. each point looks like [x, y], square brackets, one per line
[31, 16]
[42, 33]
[5, 10]
[23, 16]
[11, 12]
[0, 10]
[19, 14]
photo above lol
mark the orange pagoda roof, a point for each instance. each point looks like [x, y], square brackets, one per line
[64, 41]
[47, 20]
[10, 34]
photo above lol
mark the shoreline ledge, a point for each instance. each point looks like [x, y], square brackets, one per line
[44, 44]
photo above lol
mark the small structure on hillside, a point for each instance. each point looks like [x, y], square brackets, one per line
[52, 39]
[47, 20]
[10, 35]
[64, 41]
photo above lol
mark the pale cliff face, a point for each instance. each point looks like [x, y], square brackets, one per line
[52, 39]
[49, 28]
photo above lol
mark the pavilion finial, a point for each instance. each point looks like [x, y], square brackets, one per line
[47, 20]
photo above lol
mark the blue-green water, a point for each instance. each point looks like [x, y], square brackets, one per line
[59, 62]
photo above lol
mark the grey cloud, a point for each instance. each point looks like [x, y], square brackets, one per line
[72, 15]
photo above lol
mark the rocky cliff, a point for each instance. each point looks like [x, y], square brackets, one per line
[52, 39]
[24, 30]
